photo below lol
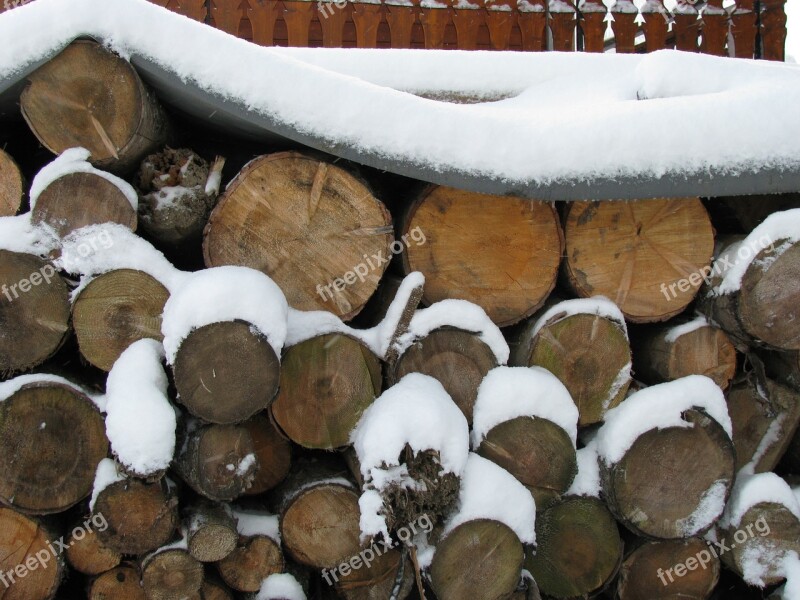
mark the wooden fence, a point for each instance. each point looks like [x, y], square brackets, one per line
[747, 29]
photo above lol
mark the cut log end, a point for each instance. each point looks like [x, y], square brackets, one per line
[537, 452]
[273, 453]
[120, 583]
[226, 372]
[51, 439]
[171, 575]
[458, 359]
[695, 467]
[316, 230]
[479, 559]
[212, 532]
[255, 559]
[326, 383]
[12, 186]
[23, 539]
[89, 97]
[578, 548]
[589, 354]
[77, 200]
[113, 311]
[89, 555]
[34, 311]
[141, 516]
[520, 244]
[607, 244]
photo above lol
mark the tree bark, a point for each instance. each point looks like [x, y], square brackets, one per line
[326, 384]
[472, 258]
[661, 502]
[579, 525]
[34, 311]
[765, 417]
[177, 190]
[171, 574]
[316, 230]
[589, 354]
[51, 439]
[537, 452]
[119, 583]
[648, 572]
[480, 559]
[608, 243]
[77, 200]
[23, 539]
[89, 97]
[217, 461]
[704, 351]
[12, 186]
[211, 532]
[141, 516]
[114, 310]
[458, 359]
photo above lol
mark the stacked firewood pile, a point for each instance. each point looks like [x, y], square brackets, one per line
[217, 392]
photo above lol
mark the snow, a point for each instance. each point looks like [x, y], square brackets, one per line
[18, 234]
[790, 567]
[750, 490]
[587, 481]
[677, 331]
[510, 392]
[97, 249]
[490, 492]
[659, 407]
[460, 314]
[75, 160]
[140, 421]
[781, 226]
[416, 411]
[250, 523]
[596, 305]
[708, 510]
[224, 294]
[793, 34]
[303, 326]
[12, 386]
[604, 111]
[771, 437]
[280, 586]
[106, 474]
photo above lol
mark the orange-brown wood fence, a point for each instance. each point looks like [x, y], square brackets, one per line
[748, 28]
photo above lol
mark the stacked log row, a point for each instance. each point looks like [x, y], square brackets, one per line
[264, 480]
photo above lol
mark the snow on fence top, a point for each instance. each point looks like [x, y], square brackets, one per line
[563, 118]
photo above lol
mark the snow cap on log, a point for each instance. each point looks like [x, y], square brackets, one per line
[587, 481]
[249, 523]
[750, 490]
[12, 386]
[75, 160]
[280, 586]
[140, 421]
[416, 412]
[781, 227]
[97, 249]
[107, 473]
[223, 294]
[490, 492]
[658, 407]
[510, 392]
[460, 314]
[596, 305]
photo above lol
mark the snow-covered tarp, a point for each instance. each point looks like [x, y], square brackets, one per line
[548, 125]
